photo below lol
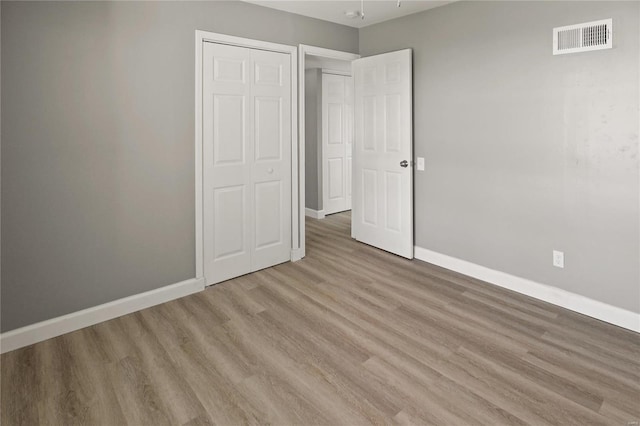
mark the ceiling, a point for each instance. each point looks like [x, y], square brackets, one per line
[334, 10]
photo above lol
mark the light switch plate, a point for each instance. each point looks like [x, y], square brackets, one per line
[421, 164]
[558, 259]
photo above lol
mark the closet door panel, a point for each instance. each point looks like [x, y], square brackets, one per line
[227, 151]
[246, 160]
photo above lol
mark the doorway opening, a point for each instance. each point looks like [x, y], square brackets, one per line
[358, 109]
[326, 129]
[328, 135]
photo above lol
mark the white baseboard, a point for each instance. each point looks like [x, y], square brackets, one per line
[574, 302]
[44, 330]
[297, 254]
[316, 214]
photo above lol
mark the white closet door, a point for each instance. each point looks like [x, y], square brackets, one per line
[246, 160]
[227, 161]
[271, 101]
[383, 174]
[336, 143]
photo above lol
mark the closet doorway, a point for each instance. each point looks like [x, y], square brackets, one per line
[247, 191]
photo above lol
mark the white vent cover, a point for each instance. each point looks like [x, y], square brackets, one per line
[594, 35]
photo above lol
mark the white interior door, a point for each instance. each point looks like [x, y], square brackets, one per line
[382, 214]
[271, 93]
[246, 160]
[337, 142]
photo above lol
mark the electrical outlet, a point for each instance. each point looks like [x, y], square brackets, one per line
[558, 259]
[421, 163]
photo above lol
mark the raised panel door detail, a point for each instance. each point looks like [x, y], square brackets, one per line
[369, 76]
[392, 72]
[270, 172]
[392, 127]
[369, 123]
[392, 200]
[268, 201]
[392, 228]
[348, 176]
[228, 219]
[268, 130]
[336, 88]
[370, 196]
[268, 74]
[228, 69]
[336, 142]
[348, 125]
[335, 123]
[246, 149]
[228, 129]
[336, 178]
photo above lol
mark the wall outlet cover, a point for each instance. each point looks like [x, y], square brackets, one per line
[558, 259]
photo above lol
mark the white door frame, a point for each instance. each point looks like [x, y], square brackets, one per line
[297, 243]
[304, 50]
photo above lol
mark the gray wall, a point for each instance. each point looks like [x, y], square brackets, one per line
[312, 138]
[526, 152]
[97, 144]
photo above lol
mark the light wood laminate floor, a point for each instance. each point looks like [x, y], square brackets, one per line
[350, 335]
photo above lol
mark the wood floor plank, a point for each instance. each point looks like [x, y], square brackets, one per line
[277, 355]
[280, 403]
[349, 335]
[102, 403]
[20, 386]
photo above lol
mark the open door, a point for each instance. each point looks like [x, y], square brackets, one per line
[337, 142]
[382, 212]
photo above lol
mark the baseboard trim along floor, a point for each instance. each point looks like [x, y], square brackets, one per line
[572, 301]
[316, 214]
[45, 330]
[349, 335]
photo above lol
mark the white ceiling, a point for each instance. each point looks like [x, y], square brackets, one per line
[334, 10]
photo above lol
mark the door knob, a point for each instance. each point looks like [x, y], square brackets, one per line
[269, 170]
[404, 163]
